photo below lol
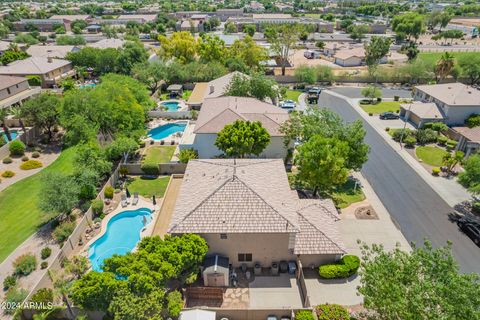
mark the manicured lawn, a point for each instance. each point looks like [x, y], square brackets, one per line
[431, 58]
[345, 195]
[292, 95]
[384, 106]
[431, 155]
[20, 215]
[147, 187]
[161, 154]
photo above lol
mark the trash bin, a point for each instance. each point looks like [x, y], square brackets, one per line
[257, 269]
[274, 268]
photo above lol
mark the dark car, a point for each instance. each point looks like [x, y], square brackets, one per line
[389, 115]
[472, 231]
[315, 91]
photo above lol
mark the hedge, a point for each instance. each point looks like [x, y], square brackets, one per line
[150, 168]
[331, 312]
[346, 267]
[304, 315]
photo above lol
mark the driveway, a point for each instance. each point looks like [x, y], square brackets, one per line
[275, 292]
[355, 92]
[417, 209]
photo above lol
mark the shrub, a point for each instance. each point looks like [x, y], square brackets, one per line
[398, 134]
[370, 114]
[13, 297]
[439, 127]
[435, 171]
[442, 140]
[43, 265]
[45, 253]
[8, 174]
[346, 267]
[31, 164]
[9, 282]
[150, 168]
[451, 143]
[410, 142]
[34, 81]
[424, 136]
[16, 148]
[7, 160]
[63, 231]
[142, 144]
[43, 295]
[331, 312]
[304, 315]
[187, 154]
[35, 154]
[396, 98]
[24, 158]
[25, 264]
[387, 129]
[476, 207]
[97, 206]
[473, 121]
[109, 192]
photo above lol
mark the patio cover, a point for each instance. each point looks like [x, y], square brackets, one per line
[197, 314]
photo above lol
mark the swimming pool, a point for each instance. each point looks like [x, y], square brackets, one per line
[171, 105]
[88, 85]
[121, 236]
[13, 135]
[161, 132]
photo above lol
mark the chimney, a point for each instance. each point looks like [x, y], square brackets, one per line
[212, 89]
[49, 59]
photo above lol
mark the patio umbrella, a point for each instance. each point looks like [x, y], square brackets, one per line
[128, 193]
[154, 200]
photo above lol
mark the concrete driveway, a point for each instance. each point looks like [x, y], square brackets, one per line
[275, 292]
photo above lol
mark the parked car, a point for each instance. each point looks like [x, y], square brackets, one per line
[471, 230]
[389, 116]
[270, 317]
[315, 91]
[288, 105]
[292, 267]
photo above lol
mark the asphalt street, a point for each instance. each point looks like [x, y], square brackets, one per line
[413, 205]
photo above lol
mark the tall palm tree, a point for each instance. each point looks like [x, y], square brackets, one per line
[62, 288]
[444, 65]
[3, 116]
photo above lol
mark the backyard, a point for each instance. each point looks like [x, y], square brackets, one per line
[156, 155]
[147, 187]
[384, 106]
[431, 155]
[20, 213]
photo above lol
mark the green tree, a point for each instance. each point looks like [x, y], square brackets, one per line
[70, 40]
[121, 147]
[59, 193]
[470, 67]
[451, 160]
[4, 30]
[150, 74]
[257, 86]
[90, 156]
[242, 138]
[95, 290]
[133, 52]
[322, 163]
[411, 50]
[249, 29]
[186, 155]
[444, 66]
[306, 74]
[77, 266]
[211, 48]
[43, 111]
[470, 178]
[230, 28]
[180, 45]
[409, 24]
[3, 116]
[9, 56]
[422, 284]
[375, 50]
[357, 31]
[127, 305]
[174, 303]
[248, 52]
[282, 39]
[371, 92]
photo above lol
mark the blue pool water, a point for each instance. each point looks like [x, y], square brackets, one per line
[13, 135]
[121, 236]
[171, 105]
[164, 131]
[88, 85]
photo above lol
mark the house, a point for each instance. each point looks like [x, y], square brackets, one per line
[50, 70]
[420, 113]
[213, 89]
[246, 211]
[468, 139]
[42, 25]
[224, 14]
[454, 102]
[107, 43]
[15, 90]
[51, 51]
[68, 19]
[216, 113]
[265, 19]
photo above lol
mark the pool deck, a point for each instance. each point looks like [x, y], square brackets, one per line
[176, 137]
[182, 106]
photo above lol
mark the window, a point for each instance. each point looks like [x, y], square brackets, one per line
[245, 257]
[8, 90]
[223, 236]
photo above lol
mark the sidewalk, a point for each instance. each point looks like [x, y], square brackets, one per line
[452, 192]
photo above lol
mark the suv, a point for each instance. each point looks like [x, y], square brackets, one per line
[389, 115]
[471, 230]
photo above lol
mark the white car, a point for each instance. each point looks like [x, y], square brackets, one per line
[288, 105]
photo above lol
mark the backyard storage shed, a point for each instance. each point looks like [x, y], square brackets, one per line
[215, 271]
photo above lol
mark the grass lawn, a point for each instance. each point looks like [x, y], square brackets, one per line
[147, 187]
[431, 155]
[384, 106]
[432, 57]
[292, 95]
[161, 154]
[20, 215]
[345, 195]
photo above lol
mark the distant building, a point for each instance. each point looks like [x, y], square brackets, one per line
[107, 43]
[259, 20]
[48, 25]
[255, 6]
[52, 51]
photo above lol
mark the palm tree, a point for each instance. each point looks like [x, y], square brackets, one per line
[62, 288]
[444, 65]
[3, 117]
[16, 112]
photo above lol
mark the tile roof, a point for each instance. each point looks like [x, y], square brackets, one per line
[50, 51]
[453, 94]
[349, 53]
[107, 43]
[472, 134]
[218, 112]
[423, 110]
[220, 85]
[252, 196]
[33, 65]
[8, 81]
